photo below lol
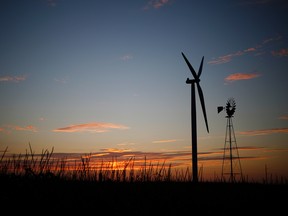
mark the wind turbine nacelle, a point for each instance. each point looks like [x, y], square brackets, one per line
[220, 108]
[189, 81]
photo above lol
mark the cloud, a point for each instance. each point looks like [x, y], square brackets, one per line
[271, 39]
[225, 58]
[241, 76]
[250, 148]
[126, 57]
[62, 81]
[12, 78]
[284, 117]
[94, 127]
[228, 57]
[115, 150]
[112, 159]
[256, 2]
[119, 157]
[8, 128]
[281, 52]
[251, 49]
[51, 3]
[258, 48]
[165, 141]
[126, 144]
[276, 150]
[175, 158]
[263, 132]
[26, 128]
[156, 4]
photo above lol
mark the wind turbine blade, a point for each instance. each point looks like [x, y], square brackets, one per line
[201, 96]
[200, 68]
[190, 67]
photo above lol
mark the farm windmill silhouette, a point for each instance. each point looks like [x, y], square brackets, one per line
[231, 161]
[192, 82]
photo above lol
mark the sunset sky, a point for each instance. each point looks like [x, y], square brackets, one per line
[108, 78]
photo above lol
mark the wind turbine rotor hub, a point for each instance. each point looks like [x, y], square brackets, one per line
[190, 81]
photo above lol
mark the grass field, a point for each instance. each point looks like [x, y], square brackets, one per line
[38, 185]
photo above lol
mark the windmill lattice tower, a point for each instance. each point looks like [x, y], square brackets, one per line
[231, 165]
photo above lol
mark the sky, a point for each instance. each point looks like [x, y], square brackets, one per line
[107, 77]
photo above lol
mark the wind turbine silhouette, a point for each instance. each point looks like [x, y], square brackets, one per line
[193, 113]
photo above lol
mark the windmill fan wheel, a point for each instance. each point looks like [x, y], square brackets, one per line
[230, 107]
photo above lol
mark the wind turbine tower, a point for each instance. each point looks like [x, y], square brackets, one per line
[196, 82]
[231, 165]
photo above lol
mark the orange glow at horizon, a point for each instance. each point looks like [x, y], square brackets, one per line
[209, 168]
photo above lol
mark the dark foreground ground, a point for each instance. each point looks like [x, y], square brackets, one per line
[60, 197]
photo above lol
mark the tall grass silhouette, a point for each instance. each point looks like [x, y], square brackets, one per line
[44, 165]
[65, 186]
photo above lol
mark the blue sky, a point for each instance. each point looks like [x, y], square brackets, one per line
[100, 76]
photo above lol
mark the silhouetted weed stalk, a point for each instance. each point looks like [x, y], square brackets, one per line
[46, 166]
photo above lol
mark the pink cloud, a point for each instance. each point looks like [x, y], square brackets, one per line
[164, 141]
[156, 4]
[7, 129]
[281, 52]
[26, 128]
[251, 49]
[96, 127]
[226, 58]
[264, 131]
[241, 76]
[12, 78]
[272, 39]
[259, 48]
[284, 117]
